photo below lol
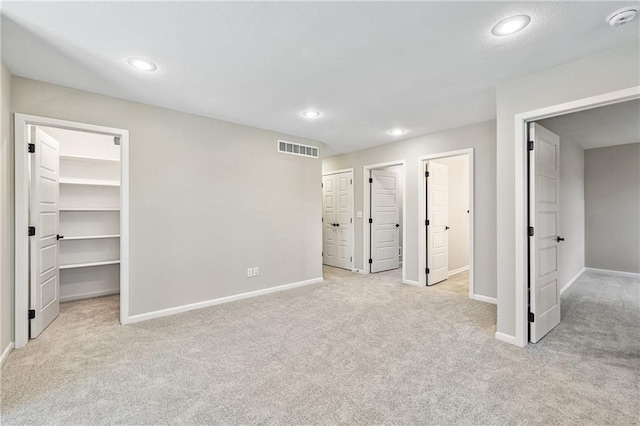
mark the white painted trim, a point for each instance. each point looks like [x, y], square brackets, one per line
[21, 124]
[6, 352]
[411, 282]
[352, 208]
[422, 261]
[366, 207]
[521, 232]
[572, 280]
[486, 299]
[612, 272]
[507, 338]
[457, 271]
[88, 295]
[207, 303]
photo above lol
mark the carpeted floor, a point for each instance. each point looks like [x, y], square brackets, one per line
[355, 349]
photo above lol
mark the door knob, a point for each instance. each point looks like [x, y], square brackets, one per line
[337, 224]
[397, 225]
[59, 237]
[558, 239]
[446, 228]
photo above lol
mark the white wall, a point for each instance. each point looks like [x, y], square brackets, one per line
[612, 195]
[6, 214]
[458, 218]
[604, 72]
[480, 137]
[208, 199]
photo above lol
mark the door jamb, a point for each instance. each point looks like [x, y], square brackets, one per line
[521, 201]
[351, 210]
[422, 263]
[366, 206]
[21, 173]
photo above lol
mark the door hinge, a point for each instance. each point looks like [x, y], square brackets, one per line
[531, 231]
[322, 185]
[370, 180]
[426, 174]
[32, 313]
[351, 259]
[370, 220]
[532, 317]
[116, 140]
[32, 148]
[530, 145]
[32, 231]
[370, 260]
[426, 222]
[351, 220]
[426, 271]
[351, 181]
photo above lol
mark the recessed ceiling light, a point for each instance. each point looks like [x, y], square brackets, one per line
[397, 132]
[311, 114]
[622, 16]
[510, 25]
[142, 64]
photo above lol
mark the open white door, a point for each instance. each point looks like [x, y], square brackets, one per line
[437, 214]
[385, 221]
[44, 265]
[544, 192]
[337, 220]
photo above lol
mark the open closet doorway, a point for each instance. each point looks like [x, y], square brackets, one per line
[384, 204]
[446, 248]
[72, 197]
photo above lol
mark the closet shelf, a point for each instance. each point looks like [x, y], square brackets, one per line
[88, 209]
[90, 182]
[90, 237]
[88, 264]
[93, 159]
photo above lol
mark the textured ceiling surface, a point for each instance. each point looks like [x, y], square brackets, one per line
[617, 124]
[367, 66]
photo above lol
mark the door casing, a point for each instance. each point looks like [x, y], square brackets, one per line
[21, 141]
[366, 208]
[422, 253]
[351, 210]
[522, 121]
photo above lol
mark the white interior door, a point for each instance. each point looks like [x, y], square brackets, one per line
[337, 219]
[44, 267]
[544, 192]
[437, 214]
[385, 223]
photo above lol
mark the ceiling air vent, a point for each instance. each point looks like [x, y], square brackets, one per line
[297, 149]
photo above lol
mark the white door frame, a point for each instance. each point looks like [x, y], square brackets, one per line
[422, 254]
[351, 210]
[366, 207]
[521, 201]
[21, 124]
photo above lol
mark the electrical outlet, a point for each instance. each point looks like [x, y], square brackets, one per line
[249, 272]
[255, 271]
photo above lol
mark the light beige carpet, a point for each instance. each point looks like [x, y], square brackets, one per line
[354, 349]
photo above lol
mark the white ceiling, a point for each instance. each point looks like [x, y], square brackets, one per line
[617, 124]
[367, 66]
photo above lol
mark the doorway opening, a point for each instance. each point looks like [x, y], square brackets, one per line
[72, 198]
[584, 211]
[337, 219]
[446, 205]
[385, 213]
[523, 307]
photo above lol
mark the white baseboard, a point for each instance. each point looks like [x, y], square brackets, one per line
[506, 338]
[411, 282]
[572, 280]
[213, 302]
[620, 273]
[457, 271]
[485, 299]
[88, 295]
[6, 352]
